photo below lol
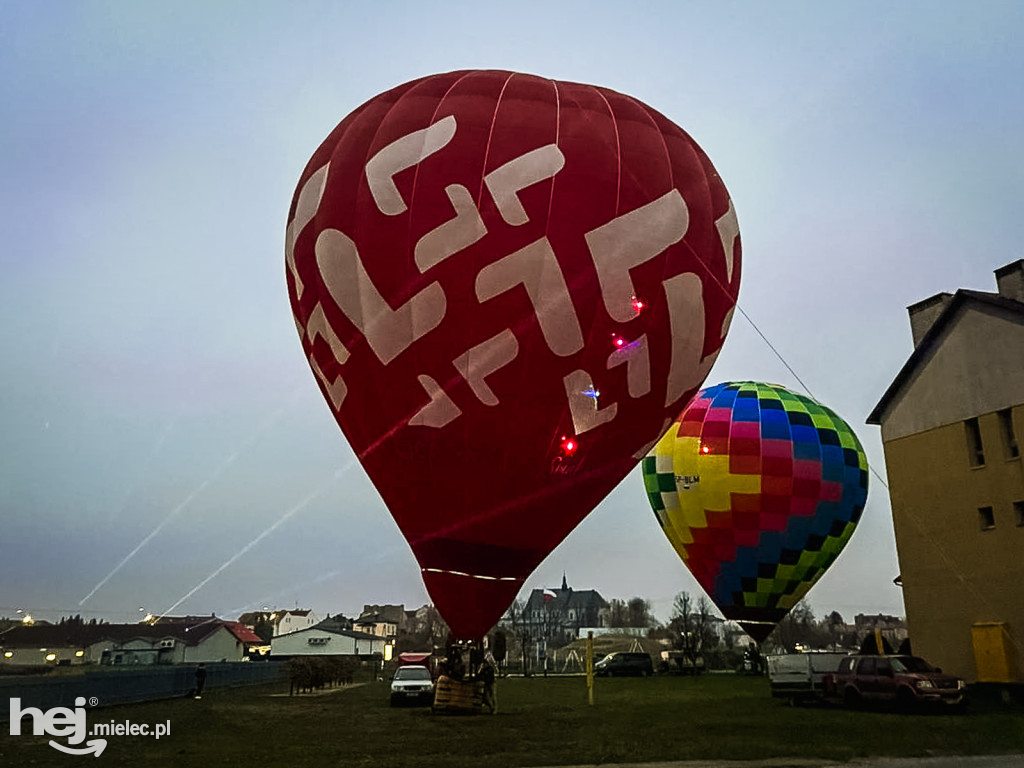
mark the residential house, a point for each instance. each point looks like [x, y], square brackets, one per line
[178, 641]
[402, 619]
[952, 425]
[283, 621]
[376, 624]
[290, 621]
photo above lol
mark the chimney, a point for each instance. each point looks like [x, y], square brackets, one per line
[924, 314]
[1010, 280]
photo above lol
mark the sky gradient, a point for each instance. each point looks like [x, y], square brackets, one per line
[163, 444]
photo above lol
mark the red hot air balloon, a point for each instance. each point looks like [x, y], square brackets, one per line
[505, 287]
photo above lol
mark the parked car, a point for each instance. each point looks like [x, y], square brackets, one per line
[800, 677]
[907, 681]
[623, 663]
[412, 684]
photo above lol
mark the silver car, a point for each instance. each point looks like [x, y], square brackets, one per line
[412, 684]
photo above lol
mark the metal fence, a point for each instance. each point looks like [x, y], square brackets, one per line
[107, 686]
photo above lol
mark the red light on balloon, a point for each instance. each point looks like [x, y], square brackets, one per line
[705, 449]
[569, 446]
[618, 341]
[638, 305]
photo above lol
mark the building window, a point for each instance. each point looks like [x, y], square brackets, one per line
[975, 451]
[1018, 513]
[1009, 438]
[986, 518]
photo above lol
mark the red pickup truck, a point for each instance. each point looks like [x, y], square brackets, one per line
[907, 681]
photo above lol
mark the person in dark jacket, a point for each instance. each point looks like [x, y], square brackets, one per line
[200, 680]
[486, 676]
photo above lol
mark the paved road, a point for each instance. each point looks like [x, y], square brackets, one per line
[988, 761]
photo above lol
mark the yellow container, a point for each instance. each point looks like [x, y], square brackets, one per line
[993, 652]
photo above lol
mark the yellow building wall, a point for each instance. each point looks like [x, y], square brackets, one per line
[955, 574]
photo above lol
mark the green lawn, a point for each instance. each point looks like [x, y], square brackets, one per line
[539, 722]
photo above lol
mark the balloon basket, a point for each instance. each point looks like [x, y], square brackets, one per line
[458, 697]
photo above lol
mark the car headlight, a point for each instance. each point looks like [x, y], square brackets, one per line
[960, 685]
[925, 684]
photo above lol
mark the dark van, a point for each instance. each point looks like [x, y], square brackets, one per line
[623, 663]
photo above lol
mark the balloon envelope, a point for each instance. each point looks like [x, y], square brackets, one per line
[758, 489]
[505, 286]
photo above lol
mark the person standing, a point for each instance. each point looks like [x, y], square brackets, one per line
[200, 680]
[486, 676]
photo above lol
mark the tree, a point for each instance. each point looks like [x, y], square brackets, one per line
[799, 627]
[434, 628]
[639, 613]
[836, 628]
[691, 627]
[516, 616]
[634, 613]
[618, 613]
[264, 627]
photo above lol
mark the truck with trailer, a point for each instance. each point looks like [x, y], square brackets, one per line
[800, 677]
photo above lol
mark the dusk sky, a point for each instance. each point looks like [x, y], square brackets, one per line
[164, 447]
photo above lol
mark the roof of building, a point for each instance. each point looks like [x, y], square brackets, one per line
[336, 623]
[962, 300]
[252, 617]
[185, 620]
[395, 614]
[332, 630]
[75, 635]
[565, 599]
[242, 632]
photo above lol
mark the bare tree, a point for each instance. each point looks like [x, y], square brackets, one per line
[691, 626]
[521, 632]
[618, 613]
[634, 613]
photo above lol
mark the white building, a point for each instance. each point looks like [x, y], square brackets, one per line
[316, 641]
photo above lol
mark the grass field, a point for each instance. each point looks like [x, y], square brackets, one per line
[539, 722]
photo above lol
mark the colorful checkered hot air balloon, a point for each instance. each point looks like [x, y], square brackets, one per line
[758, 489]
